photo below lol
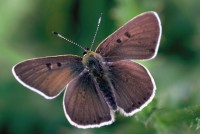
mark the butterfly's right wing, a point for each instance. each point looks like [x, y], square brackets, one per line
[84, 104]
[137, 39]
[48, 76]
[133, 85]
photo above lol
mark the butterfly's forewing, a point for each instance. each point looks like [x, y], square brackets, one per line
[133, 86]
[84, 105]
[137, 39]
[48, 76]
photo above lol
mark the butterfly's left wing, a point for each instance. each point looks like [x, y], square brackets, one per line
[133, 85]
[137, 39]
[84, 104]
[48, 76]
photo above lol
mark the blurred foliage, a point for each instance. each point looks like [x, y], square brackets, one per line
[25, 32]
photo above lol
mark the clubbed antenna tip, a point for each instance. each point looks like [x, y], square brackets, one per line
[99, 21]
[54, 33]
[72, 42]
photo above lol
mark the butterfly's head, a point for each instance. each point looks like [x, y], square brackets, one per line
[90, 55]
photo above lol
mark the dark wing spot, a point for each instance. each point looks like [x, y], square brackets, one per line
[100, 119]
[59, 64]
[154, 42]
[48, 66]
[118, 41]
[152, 50]
[133, 105]
[129, 109]
[127, 34]
[148, 94]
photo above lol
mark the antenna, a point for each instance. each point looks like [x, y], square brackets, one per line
[72, 42]
[96, 31]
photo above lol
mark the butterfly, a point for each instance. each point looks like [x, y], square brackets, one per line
[103, 81]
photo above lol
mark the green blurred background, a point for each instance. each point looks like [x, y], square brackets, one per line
[25, 32]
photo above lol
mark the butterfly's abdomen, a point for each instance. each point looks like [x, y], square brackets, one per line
[107, 92]
[97, 71]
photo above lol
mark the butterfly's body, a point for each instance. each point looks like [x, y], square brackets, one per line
[98, 70]
[101, 82]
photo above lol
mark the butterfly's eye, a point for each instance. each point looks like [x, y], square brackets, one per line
[59, 64]
[49, 66]
[85, 51]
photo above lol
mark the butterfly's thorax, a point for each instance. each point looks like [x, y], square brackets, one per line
[93, 62]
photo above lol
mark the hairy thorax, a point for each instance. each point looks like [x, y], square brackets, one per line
[94, 64]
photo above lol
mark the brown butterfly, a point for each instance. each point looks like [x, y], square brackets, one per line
[101, 82]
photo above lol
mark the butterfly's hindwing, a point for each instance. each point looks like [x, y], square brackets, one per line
[133, 85]
[84, 105]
